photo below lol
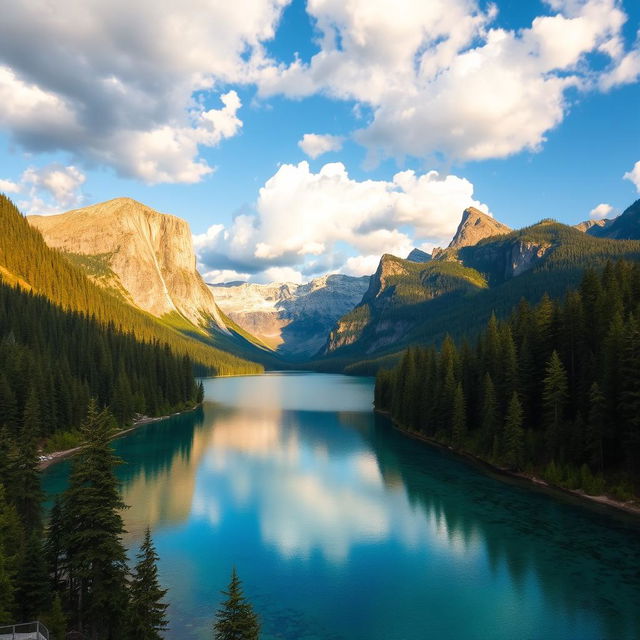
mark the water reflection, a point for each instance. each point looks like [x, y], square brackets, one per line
[343, 528]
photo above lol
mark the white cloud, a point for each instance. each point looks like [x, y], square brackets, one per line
[634, 175]
[49, 189]
[8, 186]
[600, 212]
[315, 145]
[300, 215]
[439, 78]
[122, 83]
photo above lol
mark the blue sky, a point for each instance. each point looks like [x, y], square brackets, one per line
[528, 108]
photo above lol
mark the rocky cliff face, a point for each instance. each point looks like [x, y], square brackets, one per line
[293, 318]
[475, 226]
[145, 255]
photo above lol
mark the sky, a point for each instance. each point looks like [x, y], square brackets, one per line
[299, 138]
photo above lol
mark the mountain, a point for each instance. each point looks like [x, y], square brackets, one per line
[292, 318]
[625, 227]
[28, 262]
[587, 225]
[456, 292]
[475, 226]
[144, 255]
[417, 255]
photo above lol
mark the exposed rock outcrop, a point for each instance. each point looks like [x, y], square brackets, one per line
[293, 318]
[475, 226]
[150, 253]
[586, 225]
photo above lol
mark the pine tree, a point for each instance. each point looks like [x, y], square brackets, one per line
[554, 398]
[93, 532]
[595, 428]
[513, 434]
[55, 620]
[55, 543]
[458, 417]
[146, 609]
[9, 531]
[490, 426]
[32, 583]
[236, 620]
[27, 491]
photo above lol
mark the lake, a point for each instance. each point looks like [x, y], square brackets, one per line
[342, 528]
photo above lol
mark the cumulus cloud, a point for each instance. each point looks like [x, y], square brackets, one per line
[123, 83]
[9, 186]
[300, 215]
[315, 145]
[601, 211]
[634, 175]
[439, 78]
[49, 189]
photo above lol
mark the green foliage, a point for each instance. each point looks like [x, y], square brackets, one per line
[236, 620]
[554, 389]
[95, 556]
[68, 357]
[479, 283]
[55, 620]
[33, 593]
[147, 617]
[26, 261]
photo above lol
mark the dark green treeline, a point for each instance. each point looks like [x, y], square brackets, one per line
[553, 390]
[52, 361]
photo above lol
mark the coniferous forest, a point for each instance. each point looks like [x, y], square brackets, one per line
[54, 361]
[554, 390]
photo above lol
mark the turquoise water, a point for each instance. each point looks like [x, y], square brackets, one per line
[342, 528]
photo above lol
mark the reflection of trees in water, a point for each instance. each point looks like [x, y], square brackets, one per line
[584, 561]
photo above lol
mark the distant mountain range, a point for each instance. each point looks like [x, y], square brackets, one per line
[293, 319]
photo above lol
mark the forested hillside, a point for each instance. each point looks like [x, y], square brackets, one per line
[457, 293]
[26, 261]
[54, 361]
[552, 390]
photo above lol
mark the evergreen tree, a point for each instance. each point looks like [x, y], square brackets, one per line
[55, 543]
[27, 493]
[147, 617]
[458, 418]
[55, 620]
[33, 593]
[236, 620]
[595, 428]
[554, 398]
[513, 434]
[8, 538]
[93, 533]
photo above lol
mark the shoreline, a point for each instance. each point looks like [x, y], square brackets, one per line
[56, 456]
[604, 502]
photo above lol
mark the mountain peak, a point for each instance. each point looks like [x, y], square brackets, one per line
[475, 226]
[417, 255]
[150, 254]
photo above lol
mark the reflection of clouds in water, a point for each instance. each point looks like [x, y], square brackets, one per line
[206, 508]
[309, 498]
[303, 513]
